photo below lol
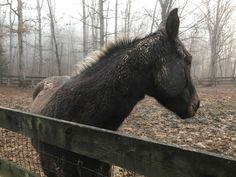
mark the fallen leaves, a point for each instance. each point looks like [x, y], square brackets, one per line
[212, 129]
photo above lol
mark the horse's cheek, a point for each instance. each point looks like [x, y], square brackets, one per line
[177, 82]
[171, 81]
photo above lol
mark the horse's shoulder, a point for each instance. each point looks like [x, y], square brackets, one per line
[42, 98]
[50, 82]
[44, 91]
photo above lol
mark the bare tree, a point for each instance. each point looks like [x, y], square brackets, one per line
[127, 18]
[226, 53]
[166, 6]
[154, 16]
[217, 17]
[3, 63]
[11, 22]
[53, 34]
[10, 27]
[107, 19]
[85, 42]
[3, 60]
[101, 18]
[116, 18]
[39, 9]
[20, 32]
[94, 26]
[234, 69]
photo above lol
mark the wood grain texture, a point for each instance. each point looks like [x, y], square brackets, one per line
[8, 169]
[150, 158]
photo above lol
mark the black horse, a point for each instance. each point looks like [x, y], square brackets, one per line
[105, 92]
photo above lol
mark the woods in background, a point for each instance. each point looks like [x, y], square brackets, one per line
[36, 39]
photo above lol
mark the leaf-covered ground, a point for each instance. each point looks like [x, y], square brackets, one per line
[212, 129]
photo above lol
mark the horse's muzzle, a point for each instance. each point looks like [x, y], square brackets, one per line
[193, 107]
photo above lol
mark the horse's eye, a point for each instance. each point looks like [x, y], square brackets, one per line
[188, 60]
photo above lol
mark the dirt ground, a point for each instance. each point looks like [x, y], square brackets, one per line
[212, 129]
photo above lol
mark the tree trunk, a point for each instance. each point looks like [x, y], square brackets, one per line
[94, 26]
[166, 6]
[39, 8]
[116, 10]
[20, 43]
[101, 23]
[213, 60]
[52, 26]
[10, 39]
[154, 16]
[221, 70]
[108, 9]
[127, 18]
[234, 69]
[85, 50]
[214, 41]
[34, 56]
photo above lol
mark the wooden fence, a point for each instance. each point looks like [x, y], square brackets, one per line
[150, 158]
[29, 81]
[217, 81]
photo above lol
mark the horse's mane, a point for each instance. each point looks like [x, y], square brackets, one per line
[103, 53]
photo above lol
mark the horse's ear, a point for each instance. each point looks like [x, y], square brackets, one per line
[172, 24]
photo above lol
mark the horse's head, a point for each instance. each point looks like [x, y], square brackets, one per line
[173, 86]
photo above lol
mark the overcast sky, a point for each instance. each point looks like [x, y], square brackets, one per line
[68, 10]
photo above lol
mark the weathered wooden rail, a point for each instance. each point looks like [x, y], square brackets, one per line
[9, 169]
[217, 81]
[32, 80]
[150, 158]
[29, 81]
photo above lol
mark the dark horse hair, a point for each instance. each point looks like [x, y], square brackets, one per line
[106, 90]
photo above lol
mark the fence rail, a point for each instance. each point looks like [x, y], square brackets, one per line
[216, 81]
[9, 169]
[146, 157]
[31, 81]
[11, 80]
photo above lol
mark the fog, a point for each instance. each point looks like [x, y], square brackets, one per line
[207, 28]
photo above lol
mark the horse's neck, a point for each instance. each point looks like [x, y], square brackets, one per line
[102, 106]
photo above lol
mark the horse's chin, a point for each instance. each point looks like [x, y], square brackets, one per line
[189, 113]
[186, 115]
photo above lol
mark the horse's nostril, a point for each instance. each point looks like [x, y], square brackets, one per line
[198, 104]
[195, 106]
